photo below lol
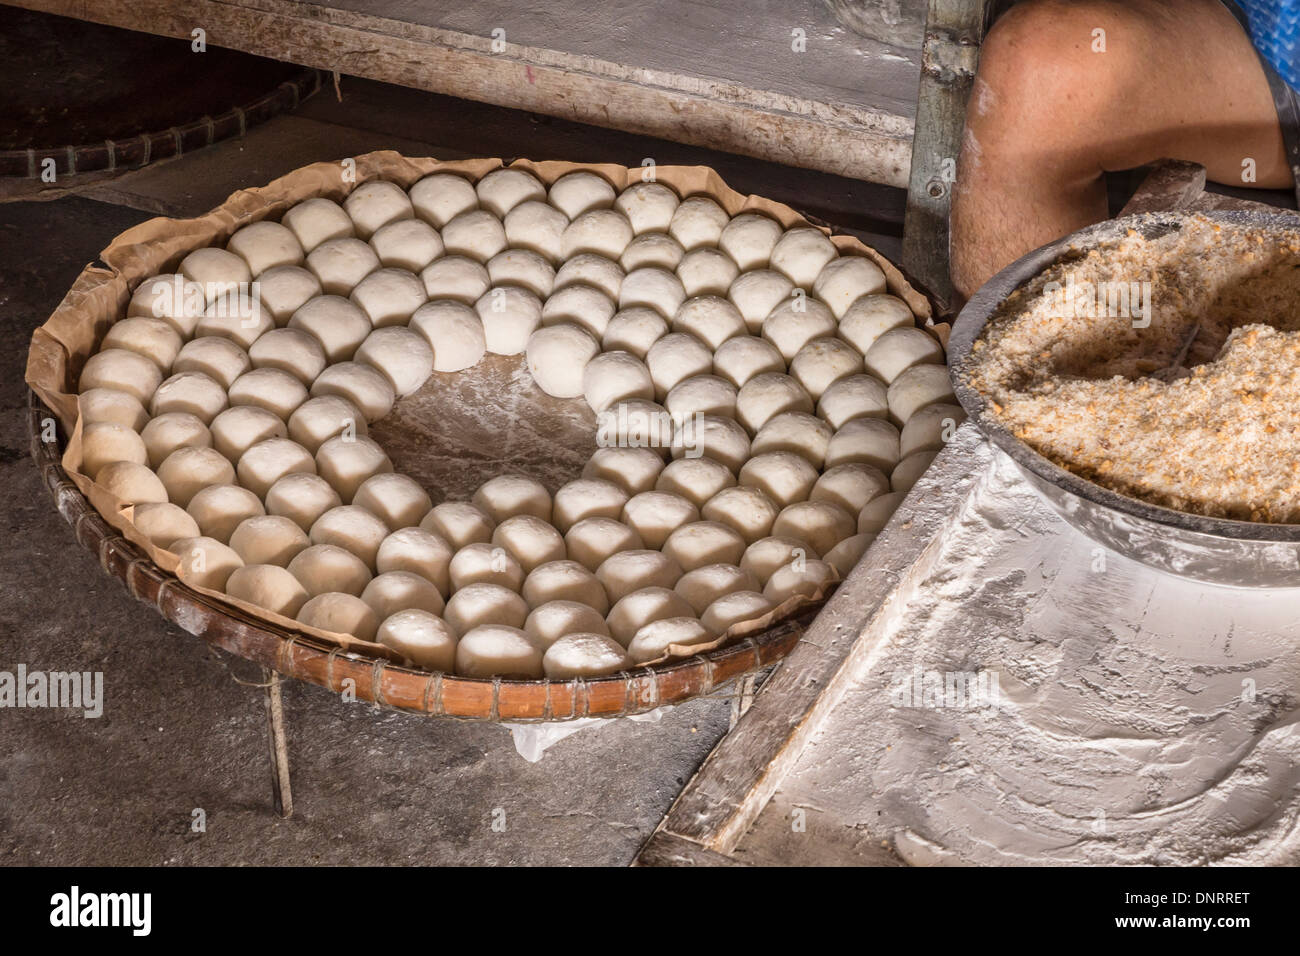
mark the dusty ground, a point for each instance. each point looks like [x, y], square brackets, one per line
[178, 733]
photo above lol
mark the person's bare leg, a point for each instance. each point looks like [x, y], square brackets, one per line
[1056, 103]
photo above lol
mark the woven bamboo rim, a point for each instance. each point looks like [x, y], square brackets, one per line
[376, 680]
[163, 144]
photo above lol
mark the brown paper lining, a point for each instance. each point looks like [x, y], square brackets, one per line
[60, 348]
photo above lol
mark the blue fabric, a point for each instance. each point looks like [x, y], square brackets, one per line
[1275, 30]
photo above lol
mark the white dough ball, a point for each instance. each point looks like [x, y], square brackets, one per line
[850, 486]
[271, 388]
[823, 362]
[389, 296]
[873, 518]
[652, 249]
[843, 281]
[706, 271]
[422, 638]
[900, 349]
[404, 357]
[327, 569]
[632, 469]
[317, 220]
[523, 268]
[440, 197]
[705, 584]
[796, 322]
[290, 350]
[454, 333]
[798, 432]
[584, 655]
[267, 539]
[537, 227]
[917, 387]
[509, 315]
[237, 429]
[698, 221]
[112, 405]
[783, 476]
[872, 441]
[375, 204]
[845, 556]
[337, 324]
[741, 358]
[612, 377]
[746, 508]
[340, 613]
[801, 254]
[579, 192]
[236, 317]
[756, 294]
[494, 650]
[701, 395]
[628, 571]
[929, 429]
[808, 579]
[821, 523]
[346, 461]
[592, 540]
[910, 469]
[220, 359]
[654, 515]
[266, 245]
[477, 235]
[587, 498]
[765, 556]
[605, 232]
[409, 244]
[653, 288]
[749, 240]
[396, 500]
[855, 396]
[582, 305]
[509, 496]
[163, 522]
[503, 189]
[485, 563]
[530, 540]
[220, 509]
[204, 562]
[480, 604]
[122, 370]
[302, 498]
[870, 317]
[738, 607]
[217, 271]
[286, 289]
[711, 319]
[131, 483]
[188, 470]
[765, 396]
[459, 523]
[155, 339]
[352, 528]
[363, 385]
[458, 278]
[634, 330]
[549, 622]
[695, 479]
[639, 608]
[658, 638]
[171, 298]
[105, 442]
[564, 580]
[317, 420]
[340, 264]
[268, 461]
[394, 591]
[675, 358]
[420, 552]
[712, 436]
[648, 206]
[591, 269]
[635, 423]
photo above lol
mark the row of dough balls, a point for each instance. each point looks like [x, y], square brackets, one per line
[260, 470]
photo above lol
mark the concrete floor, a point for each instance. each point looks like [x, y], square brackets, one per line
[178, 733]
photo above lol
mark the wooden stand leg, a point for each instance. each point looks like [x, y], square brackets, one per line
[281, 792]
[744, 697]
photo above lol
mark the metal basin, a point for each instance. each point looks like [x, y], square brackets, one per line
[1213, 550]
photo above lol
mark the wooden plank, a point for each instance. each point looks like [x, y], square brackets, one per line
[744, 770]
[953, 33]
[695, 73]
[665, 849]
